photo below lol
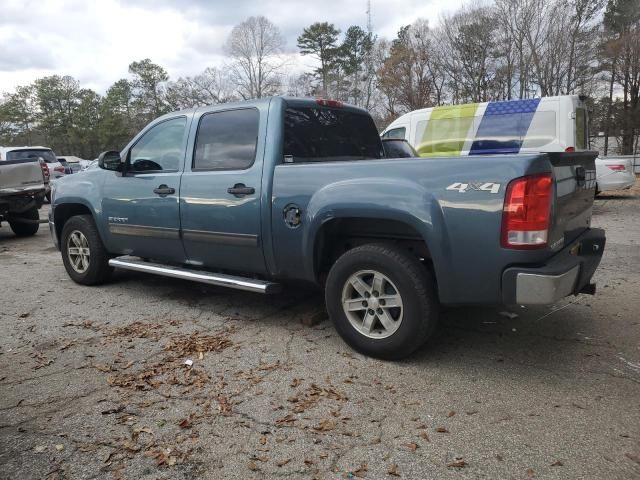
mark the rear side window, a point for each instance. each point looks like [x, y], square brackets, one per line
[395, 133]
[329, 135]
[227, 140]
[47, 155]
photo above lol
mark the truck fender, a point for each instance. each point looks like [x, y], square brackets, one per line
[379, 198]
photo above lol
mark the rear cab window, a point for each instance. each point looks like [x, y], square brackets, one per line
[316, 134]
[24, 154]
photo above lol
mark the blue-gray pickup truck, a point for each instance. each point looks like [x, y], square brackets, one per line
[258, 194]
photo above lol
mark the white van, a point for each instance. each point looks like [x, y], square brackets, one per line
[549, 124]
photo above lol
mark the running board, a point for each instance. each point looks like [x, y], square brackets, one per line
[241, 283]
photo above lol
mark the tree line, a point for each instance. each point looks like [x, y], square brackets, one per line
[506, 50]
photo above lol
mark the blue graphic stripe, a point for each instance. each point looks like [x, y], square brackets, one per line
[504, 126]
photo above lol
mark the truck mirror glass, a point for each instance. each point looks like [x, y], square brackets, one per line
[110, 160]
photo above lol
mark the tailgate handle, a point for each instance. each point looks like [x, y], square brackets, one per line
[580, 176]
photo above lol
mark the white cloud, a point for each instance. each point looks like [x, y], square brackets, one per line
[96, 41]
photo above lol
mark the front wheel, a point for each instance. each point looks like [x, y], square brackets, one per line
[83, 253]
[382, 300]
[26, 224]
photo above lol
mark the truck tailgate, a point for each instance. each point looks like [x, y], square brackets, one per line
[575, 175]
[20, 175]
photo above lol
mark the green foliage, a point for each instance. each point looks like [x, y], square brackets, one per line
[320, 40]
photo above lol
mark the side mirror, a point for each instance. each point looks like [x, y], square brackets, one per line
[110, 161]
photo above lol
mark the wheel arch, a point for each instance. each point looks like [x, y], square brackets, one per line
[64, 211]
[337, 235]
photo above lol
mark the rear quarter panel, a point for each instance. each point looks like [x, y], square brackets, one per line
[461, 229]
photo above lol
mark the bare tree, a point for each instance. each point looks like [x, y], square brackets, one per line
[210, 87]
[255, 47]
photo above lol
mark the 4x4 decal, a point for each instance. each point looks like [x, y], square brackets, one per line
[475, 186]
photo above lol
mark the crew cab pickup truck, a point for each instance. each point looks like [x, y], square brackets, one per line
[258, 194]
[23, 180]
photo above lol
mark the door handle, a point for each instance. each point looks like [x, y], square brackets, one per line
[241, 189]
[163, 190]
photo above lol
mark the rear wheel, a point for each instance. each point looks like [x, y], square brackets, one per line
[382, 300]
[83, 253]
[25, 224]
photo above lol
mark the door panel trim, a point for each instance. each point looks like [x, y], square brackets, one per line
[144, 231]
[221, 238]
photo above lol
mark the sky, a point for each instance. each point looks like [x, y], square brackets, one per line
[95, 40]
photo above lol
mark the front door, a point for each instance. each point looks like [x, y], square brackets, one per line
[220, 195]
[141, 208]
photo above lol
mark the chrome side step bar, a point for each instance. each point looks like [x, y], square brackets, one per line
[241, 283]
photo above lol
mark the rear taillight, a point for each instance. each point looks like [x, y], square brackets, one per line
[526, 212]
[59, 169]
[45, 170]
[570, 149]
[616, 168]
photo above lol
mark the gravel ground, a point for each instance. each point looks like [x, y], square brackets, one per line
[93, 382]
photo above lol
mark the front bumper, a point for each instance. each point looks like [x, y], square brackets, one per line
[566, 273]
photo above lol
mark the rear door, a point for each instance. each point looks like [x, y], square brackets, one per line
[220, 195]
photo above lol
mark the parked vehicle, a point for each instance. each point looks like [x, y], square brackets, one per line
[22, 190]
[614, 173]
[71, 163]
[256, 194]
[548, 124]
[398, 148]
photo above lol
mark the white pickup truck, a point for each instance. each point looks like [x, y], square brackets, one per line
[23, 178]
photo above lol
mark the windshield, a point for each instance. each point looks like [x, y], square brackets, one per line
[24, 154]
[329, 135]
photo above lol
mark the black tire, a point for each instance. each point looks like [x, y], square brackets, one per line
[97, 269]
[412, 281]
[47, 196]
[29, 226]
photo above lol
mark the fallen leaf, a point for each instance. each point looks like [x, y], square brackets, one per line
[393, 470]
[110, 411]
[424, 436]
[499, 457]
[282, 463]
[40, 449]
[458, 463]
[633, 458]
[411, 446]
[451, 414]
[325, 425]
[557, 463]
[252, 466]
[186, 423]
[442, 430]
[530, 473]
[59, 447]
[361, 472]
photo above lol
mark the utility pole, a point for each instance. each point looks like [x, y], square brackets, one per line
[369, 59]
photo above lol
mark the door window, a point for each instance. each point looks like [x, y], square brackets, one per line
[227, 140]
[160, 148]
[395, 133]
